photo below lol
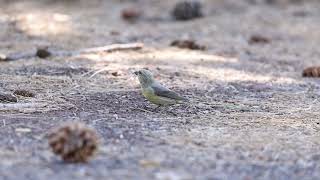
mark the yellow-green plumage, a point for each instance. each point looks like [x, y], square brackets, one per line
[155, 92]
[149, 94]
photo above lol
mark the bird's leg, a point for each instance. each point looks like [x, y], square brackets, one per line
[157, 107]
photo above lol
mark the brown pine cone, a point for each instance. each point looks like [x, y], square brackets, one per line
[74, 142]
[311, 72]
[131, 14]
[186, 10]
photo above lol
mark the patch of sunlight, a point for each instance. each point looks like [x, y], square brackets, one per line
[188, 56]
[230, 75]
[42, 23]
[171, 55]
[190, 61]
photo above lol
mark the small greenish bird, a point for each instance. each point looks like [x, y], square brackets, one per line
[155, 92]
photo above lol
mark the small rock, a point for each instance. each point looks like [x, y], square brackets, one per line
[187, 10]
[176, 73]
[258, 39]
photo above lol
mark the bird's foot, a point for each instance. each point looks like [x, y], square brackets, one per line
[156, 108]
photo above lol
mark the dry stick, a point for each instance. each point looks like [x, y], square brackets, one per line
[97, 72]
[49, 52]
[19, 106]
[111, 48]
[17, 56]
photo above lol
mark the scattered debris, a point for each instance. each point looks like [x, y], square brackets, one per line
[300, 13]
[283, 2]
[74, 142]
[114, 33]
[116, 73]
[275, 2]
[258, 39]
[311, 72]
[23, 130]
[258, 87]
[111, 48]
[187, 10]
[43, 52]
[187, 44]
[131, 14]
[177, 73]
[24, 93]
[7, 98]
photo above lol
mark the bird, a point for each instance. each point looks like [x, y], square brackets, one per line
[155, 92]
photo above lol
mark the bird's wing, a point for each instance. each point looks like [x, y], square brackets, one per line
[162, 91]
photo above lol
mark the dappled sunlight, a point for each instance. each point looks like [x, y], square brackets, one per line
[169, 55]
[187, 56]
[170, 58]
[216, 67]
[228, 74]
[43, 24]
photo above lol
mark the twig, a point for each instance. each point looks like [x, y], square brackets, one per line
[97, 72]
[45, 52]
[110, 48]
[18, 55]
[19, 106]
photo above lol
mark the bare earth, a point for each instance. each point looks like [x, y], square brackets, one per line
[251, 115]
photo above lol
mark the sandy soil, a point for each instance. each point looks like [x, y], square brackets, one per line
[251, 116]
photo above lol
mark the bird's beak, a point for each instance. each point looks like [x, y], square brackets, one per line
[136, 73]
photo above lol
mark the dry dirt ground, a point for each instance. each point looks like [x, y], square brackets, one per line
[251, 114]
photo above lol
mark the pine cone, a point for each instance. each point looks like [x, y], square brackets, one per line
[131, 14]
[187, 10]
[311, 72]
[74, 142]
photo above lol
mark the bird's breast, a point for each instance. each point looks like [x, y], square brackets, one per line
[149, 94]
